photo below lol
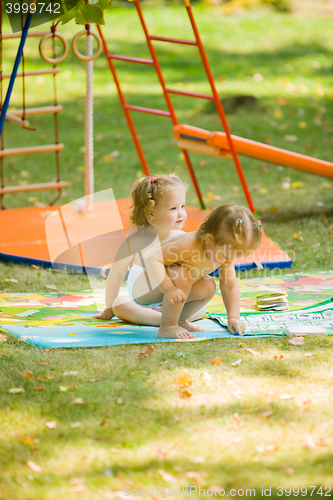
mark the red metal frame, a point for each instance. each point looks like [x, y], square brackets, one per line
[124, 103]
[220, 109]
[166, 91]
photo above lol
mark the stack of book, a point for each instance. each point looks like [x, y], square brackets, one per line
[276, 301]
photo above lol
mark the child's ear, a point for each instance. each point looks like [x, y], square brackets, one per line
[209, 239]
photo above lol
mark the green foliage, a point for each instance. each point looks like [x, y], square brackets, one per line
[83, 13]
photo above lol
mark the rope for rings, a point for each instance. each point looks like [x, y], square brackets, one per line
[89, 120]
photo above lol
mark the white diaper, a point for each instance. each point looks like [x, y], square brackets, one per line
[133, 275]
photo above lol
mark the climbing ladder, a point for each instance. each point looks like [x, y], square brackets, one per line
[167, 91]
[18, 117]
[220, 144]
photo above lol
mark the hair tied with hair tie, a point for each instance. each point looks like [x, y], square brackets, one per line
[153, 179]
[259, 222]
[239, 222]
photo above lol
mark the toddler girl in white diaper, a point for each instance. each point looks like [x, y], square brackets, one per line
[158, 213]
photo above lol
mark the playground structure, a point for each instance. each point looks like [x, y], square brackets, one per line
[18, 116]
[221, 144]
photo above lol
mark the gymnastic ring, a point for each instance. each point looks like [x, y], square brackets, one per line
[55, 60]
[78, 54]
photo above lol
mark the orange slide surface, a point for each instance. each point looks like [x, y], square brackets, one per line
[216, 144]
[91, 238]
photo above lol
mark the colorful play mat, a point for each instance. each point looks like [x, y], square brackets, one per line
[64, 319]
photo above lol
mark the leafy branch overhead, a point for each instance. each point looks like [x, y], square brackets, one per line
[84, 13]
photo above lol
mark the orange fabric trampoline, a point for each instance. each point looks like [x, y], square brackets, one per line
[62, 237]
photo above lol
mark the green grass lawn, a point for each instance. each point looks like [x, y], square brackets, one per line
[234, 431]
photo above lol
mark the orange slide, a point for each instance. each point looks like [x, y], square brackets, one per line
[216, 144]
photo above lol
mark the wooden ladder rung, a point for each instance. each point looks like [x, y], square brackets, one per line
[34, 72]
[42, 110]
[31, 150]
[33, 187]
[18, 35]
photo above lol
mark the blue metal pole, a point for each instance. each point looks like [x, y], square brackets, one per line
[15, 68]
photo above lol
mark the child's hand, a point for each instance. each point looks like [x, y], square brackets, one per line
[106, 314]
[175, 295]
[236, 326]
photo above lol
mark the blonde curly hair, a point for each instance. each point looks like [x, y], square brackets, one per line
[232, 225]
[146, 193]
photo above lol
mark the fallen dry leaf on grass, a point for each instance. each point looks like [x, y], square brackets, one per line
[252, 351]
[161, 454]
[52, 424]
[195, 476]
[267, 414]
[70, 373]
[51, 287]
[43, 363]
[307, 402]
[289, 470]
[65, 388]
[296, 341]
[285, 396]
[197, 459]
[26, 374]
[216, 361]
[297, 185]
[147, 351]
[308, 354]
[33, 466]
[29, 440]
[183, 379]
[75, 425]
[166, 477]
[322, 442]
[185, 394]
[38, 389]
[277, 356]
[45, 377]
[309, 443]
[237, 420]
[236, 363]
[205, 377]
[77, 401]
[16, 390]
[78, 488]
[298, 237]
[270, 448]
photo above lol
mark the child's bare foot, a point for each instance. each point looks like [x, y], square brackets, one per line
[190, 327]
[174, 332]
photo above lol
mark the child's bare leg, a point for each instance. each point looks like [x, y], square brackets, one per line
[171, 312]
[181, 277]
[201, 293]
[169, 325]
[127, 310]
[198, 314]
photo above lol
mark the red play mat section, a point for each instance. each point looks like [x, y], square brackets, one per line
[63, 235]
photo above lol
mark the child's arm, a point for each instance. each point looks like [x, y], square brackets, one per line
[115, 279]
[231, 297]
[169, 253]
